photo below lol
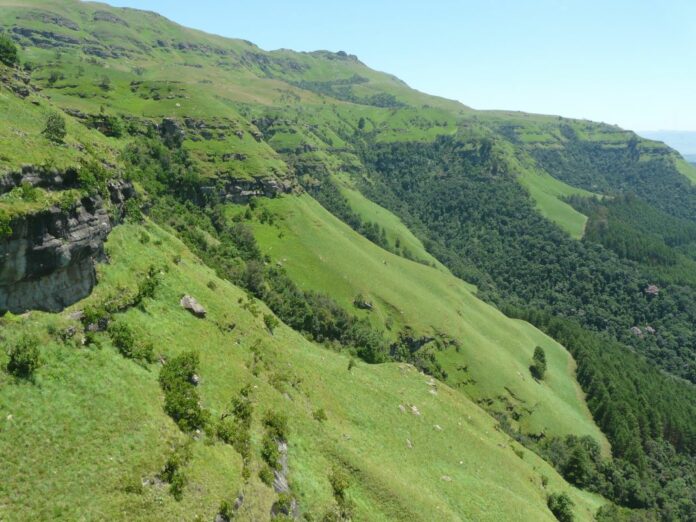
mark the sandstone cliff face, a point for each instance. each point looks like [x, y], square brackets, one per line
[48, 261]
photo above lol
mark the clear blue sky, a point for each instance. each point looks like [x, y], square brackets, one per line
[629, 62]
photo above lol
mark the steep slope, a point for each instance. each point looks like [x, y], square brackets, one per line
[490, 355]
[195, 122]
[95, 419]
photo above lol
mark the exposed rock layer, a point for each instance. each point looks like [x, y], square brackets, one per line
[47, 263]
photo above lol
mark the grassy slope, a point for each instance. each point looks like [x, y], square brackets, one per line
[687, 169]
[548, 194]
[93, 421]
[393, 226]
[322, 253]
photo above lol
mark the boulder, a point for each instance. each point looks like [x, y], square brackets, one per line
[189, 303]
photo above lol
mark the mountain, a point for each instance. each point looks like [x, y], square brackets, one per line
[249, 284]
[683, 141]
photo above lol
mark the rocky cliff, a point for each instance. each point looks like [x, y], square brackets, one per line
[47, 263]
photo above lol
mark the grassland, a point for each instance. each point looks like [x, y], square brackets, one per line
[323, 254]
[548, 194]
[92, 424]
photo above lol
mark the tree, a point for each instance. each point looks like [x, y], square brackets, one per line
[538, 367]
[24, 357]
[55, 128]
[578, 469]
[561, 506]
[8, 51]
[105, 83]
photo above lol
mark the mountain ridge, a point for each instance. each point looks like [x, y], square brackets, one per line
[326, 215]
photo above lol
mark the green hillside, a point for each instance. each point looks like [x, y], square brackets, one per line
[325, 255]
[413, 310]
[95, 424]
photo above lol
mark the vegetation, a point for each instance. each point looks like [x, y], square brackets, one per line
[8, 51]
[54, 129]
[561, 506]
[538, 367]
[23, 357]
[181, 400]
[582, 229]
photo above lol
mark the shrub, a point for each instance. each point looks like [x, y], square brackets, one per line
[95, 315]
[181, 400]
[176, 486]
[283, 507]
[5, 227]
[28, 192]
[8, 51]
[92, 176]
[340, 482]
[270, 452]
[319, 415]
[147, 284]
[538, 367]
[276, 425]
[54, 129]
[226, 511]
[266, 475]
[24, 357]
[561, 506]
[53, 78]
[270, 321]
[125, 341]
[105, 83]
[131, 211]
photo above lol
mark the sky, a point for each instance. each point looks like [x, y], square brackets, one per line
[625, 62]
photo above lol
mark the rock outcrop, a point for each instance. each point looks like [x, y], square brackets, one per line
[47, 263]
[242, 190]
[189, 303]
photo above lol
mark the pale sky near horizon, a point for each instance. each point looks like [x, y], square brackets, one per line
[625, 62]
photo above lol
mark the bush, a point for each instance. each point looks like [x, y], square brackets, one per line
[125, 341]
[276, 424]
[95, 315]
[266, 475]
[319, 415]
[55, 128]
[270, 321]
[24, 357]
[5, 227]
[226, 511]
[538, 367]
[176, 486]
[8, 51]
[270, 452]
[561, 506]
[131, 211]
[92, 176]
[181, 400]
[340, 482]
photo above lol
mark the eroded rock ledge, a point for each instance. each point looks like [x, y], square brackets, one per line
[48, 261]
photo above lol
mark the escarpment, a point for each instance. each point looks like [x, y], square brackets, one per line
[48, 260]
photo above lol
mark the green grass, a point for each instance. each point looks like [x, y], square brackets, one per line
[93, 422]
[548, 194]
[687, 169]
[323, 254]
[393, 226]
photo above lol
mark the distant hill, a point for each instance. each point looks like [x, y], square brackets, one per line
[683, 141]
[328, 296]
